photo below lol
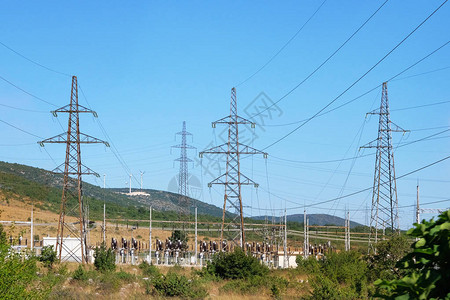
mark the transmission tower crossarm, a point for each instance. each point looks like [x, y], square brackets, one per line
[225, 149]
[73, 170]
[233, 120]
[69, 109]
[83, 139]
[223, 179]
[181, 146]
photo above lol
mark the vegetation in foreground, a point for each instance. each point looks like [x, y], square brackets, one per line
[397, 271]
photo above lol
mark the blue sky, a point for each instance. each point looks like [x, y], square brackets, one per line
[148, 66]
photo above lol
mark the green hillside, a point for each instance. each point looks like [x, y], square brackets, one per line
[45, 187]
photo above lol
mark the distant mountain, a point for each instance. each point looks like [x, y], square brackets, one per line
[39, 183]
[314, 219]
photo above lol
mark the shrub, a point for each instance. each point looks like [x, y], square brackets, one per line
[18, 277]
[148, 269]
[427, 267]
[80, 274]
[48, 256]
[104, 259]
[340, 276]
[308, 266]
[255, 284]
[174, 285]
[389, 252]
[236, 265]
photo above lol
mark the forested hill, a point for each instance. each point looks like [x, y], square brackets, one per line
[314, 219]
[46, 186]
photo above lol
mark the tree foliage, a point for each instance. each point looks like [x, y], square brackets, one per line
[104, 259]
[382, 265]
[235, 265]
[18, 278]
[176, 285]
[48, 256]
[427, 267]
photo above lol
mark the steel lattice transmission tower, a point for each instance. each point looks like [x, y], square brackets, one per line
[233, 179]
[384, 212]
[183, 175]
[72, 202]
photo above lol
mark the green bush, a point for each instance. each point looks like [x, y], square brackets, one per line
[307, 266]
[148, 269]
[80, 274]
[256, 284]
[18, 279]
[48, 256]
[104, 259]
[174, 285]
[427, 267]
[236, 265]
[389, 252]
[339, 276]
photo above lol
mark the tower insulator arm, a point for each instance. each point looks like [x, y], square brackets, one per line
[62, 139]
[222, 179]
[68, 109]
[230, 120]
[223, 149]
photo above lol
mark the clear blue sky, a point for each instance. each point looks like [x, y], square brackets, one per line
[147, 66]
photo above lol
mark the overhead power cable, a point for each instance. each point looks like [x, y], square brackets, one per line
[420, 106]
[33, 61]
[363, 190]
[24, 109]
[423, 73]
[114, 150]
[323, 63]
[20, 129]
[359, 79]
[26, 92]
[365, 155]
[284, 46]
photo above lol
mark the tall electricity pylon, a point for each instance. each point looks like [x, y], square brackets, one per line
[384, 212]
[183, 176]
[233, 179]
[72, 183]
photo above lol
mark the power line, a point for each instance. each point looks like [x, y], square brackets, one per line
[367, 92]
[359, 79]
[23, 109]
[363, 190]
[28, 93]
[423, 73]
[420, 106]
[323, 63]
[32, 61]
[20, 129]
[360, 156]
[284, 46]
[114, 149]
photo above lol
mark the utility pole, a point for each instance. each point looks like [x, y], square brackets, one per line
[104, 223]
[305, 238]
[130, 182]
[233, 179]
[142, 174]
[32, 229]
[286, 260]
[384, 212]
[196, 243]
[72, 187]
[104, 212]
[347, 231]
[183, 175]
[150, 237]
[417, 205]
